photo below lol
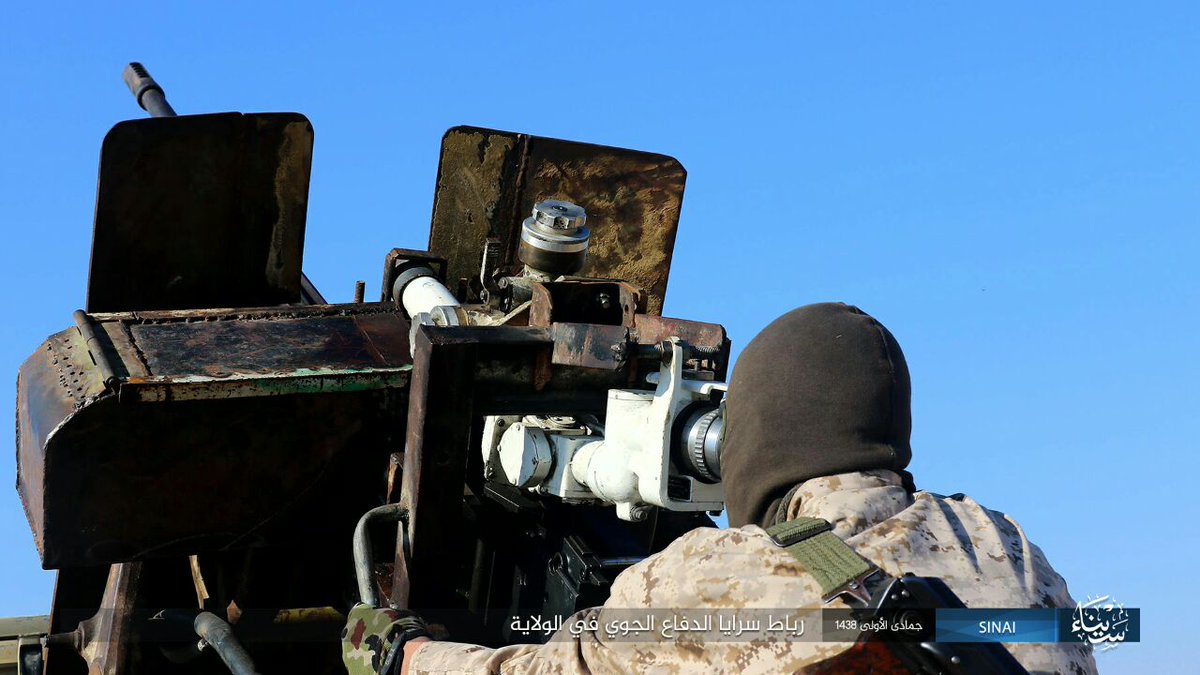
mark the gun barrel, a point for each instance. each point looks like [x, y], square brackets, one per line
[149, 94]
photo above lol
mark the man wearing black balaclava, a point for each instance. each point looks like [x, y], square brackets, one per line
[817, 426]
[822, 391]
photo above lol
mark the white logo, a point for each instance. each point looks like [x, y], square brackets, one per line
[1100, 621]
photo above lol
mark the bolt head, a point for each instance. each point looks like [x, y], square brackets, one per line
[618, 351]
[559, 215]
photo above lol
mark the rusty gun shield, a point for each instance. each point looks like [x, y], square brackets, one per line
[201, 211]
[488, 182]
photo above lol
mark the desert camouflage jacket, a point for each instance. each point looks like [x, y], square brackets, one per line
[982, 555]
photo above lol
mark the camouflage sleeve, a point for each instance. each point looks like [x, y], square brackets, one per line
[561, 655]
[368, 634]
[438, 658]
[742, 569]
[704, 569]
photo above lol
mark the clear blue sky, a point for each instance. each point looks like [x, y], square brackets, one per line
[1013, 191]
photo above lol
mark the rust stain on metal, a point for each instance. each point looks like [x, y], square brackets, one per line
[292, 174]
[395, 467]
[474, 195]
[633, 205]
[655, 329]
[274, 396]
[489, 180]
[575, 300]
[541, 306]
[589, 345]
[651, 330]
[104, 640]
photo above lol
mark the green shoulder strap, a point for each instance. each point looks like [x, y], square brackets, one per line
[836, 567]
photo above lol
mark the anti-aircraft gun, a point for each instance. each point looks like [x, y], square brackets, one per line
[514, 416]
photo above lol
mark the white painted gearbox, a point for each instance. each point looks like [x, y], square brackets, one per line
[626, 463]
[609, 467]
[525, 455]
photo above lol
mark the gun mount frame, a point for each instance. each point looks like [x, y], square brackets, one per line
[210, 426]
[462, 374]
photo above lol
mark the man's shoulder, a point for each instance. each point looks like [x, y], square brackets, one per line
[718, 539]
[709, 547]
[970, 522]
[983, 554]
[958, 515]
[711, 567]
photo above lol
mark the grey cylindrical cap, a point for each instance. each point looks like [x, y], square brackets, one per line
[554, 239]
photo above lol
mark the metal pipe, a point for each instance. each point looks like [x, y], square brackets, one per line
[148, 93]
[479, 569]
[363, 562]
[218, 634]
[418, 290]
[73, 640]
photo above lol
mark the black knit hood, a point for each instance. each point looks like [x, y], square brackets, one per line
[823, 390]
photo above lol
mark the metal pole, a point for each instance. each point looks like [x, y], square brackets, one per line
[148, 93]
[213, 630]
[363, 562]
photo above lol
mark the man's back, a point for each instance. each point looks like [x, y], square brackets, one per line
[982, 555]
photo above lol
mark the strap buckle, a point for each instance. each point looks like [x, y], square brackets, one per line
[857, 588]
